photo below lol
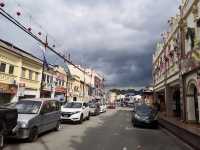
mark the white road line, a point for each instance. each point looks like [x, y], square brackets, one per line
[124, 148]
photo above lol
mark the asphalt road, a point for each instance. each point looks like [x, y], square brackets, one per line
[109, 131]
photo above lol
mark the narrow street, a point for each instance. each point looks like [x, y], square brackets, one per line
[109, 131]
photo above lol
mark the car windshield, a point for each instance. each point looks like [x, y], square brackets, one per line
[28, 107]
[73, 105]
[92, 105]
[143, 109]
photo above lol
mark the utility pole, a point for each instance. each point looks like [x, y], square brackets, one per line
[84, 84]
[67, 75]
[43, 66]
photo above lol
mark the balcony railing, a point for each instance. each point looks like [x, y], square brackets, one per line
[7, 78]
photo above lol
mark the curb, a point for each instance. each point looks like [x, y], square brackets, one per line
[186, 136]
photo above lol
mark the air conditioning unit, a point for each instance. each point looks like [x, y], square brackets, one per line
[14, 82]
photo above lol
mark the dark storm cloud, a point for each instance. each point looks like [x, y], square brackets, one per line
[116, 37]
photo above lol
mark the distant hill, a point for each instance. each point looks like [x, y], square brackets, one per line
[127, 91]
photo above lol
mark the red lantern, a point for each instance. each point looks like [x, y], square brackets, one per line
[29, 29]
[18, 13]
[39, 33]
[2, 4]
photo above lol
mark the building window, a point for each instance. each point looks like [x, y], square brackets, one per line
[59, 82]
[30, 75]
[51, 79]
[2, 67]
[11, 69]
[36, 76]
[48, 79]
[23, 73]
[63, 82]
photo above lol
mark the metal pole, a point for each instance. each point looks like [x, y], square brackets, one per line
[41, 83]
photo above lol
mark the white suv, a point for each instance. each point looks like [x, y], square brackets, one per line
[76, 111]
[103, 107]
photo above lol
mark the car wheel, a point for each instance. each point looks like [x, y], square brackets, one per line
[133, 123]
[2, 140]
[33, 135]
[81, 119]
[88, 117]
[58, 126]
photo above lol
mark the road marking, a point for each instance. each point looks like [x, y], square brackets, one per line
[124, 148]
[129, 128]
[139, 147]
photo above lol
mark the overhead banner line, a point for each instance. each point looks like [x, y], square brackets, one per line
[19, 25]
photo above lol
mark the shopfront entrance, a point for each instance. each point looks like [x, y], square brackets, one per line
[177, 104]
[7, 92]
[192, 102]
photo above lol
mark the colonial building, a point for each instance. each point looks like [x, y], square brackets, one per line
[48, 83]
[97, 84]
[85, 84]
[190, 64]
[9, 72]
[176, 65]
[20, 73]
[80, 84]
[166, 70]
[60, 81]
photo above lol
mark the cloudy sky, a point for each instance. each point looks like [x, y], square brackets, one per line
[115, 37]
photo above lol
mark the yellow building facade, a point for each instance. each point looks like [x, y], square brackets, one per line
[20, 73]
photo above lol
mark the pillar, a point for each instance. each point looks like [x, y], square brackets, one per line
[168, 101]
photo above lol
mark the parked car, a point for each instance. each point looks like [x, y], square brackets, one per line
[36, 116]
[75, 111]
[8, 121]
[94, 108]
[144, 115]
[111, 106]
[103, 107]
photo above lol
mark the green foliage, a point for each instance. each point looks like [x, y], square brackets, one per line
[123, 92]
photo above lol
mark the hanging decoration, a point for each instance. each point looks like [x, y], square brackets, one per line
[18, 13]
[2, 4]
[29, 29]
[31, 25]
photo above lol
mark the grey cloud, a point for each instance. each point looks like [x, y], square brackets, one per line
[116, 37]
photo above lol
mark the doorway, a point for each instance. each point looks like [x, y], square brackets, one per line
[193, 101]
[177, 103]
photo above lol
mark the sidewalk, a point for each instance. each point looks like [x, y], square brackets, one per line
[189, 133]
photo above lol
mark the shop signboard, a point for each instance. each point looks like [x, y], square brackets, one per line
[60, 89]
[8, 88]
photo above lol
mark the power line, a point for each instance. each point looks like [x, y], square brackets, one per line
[22, 27]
